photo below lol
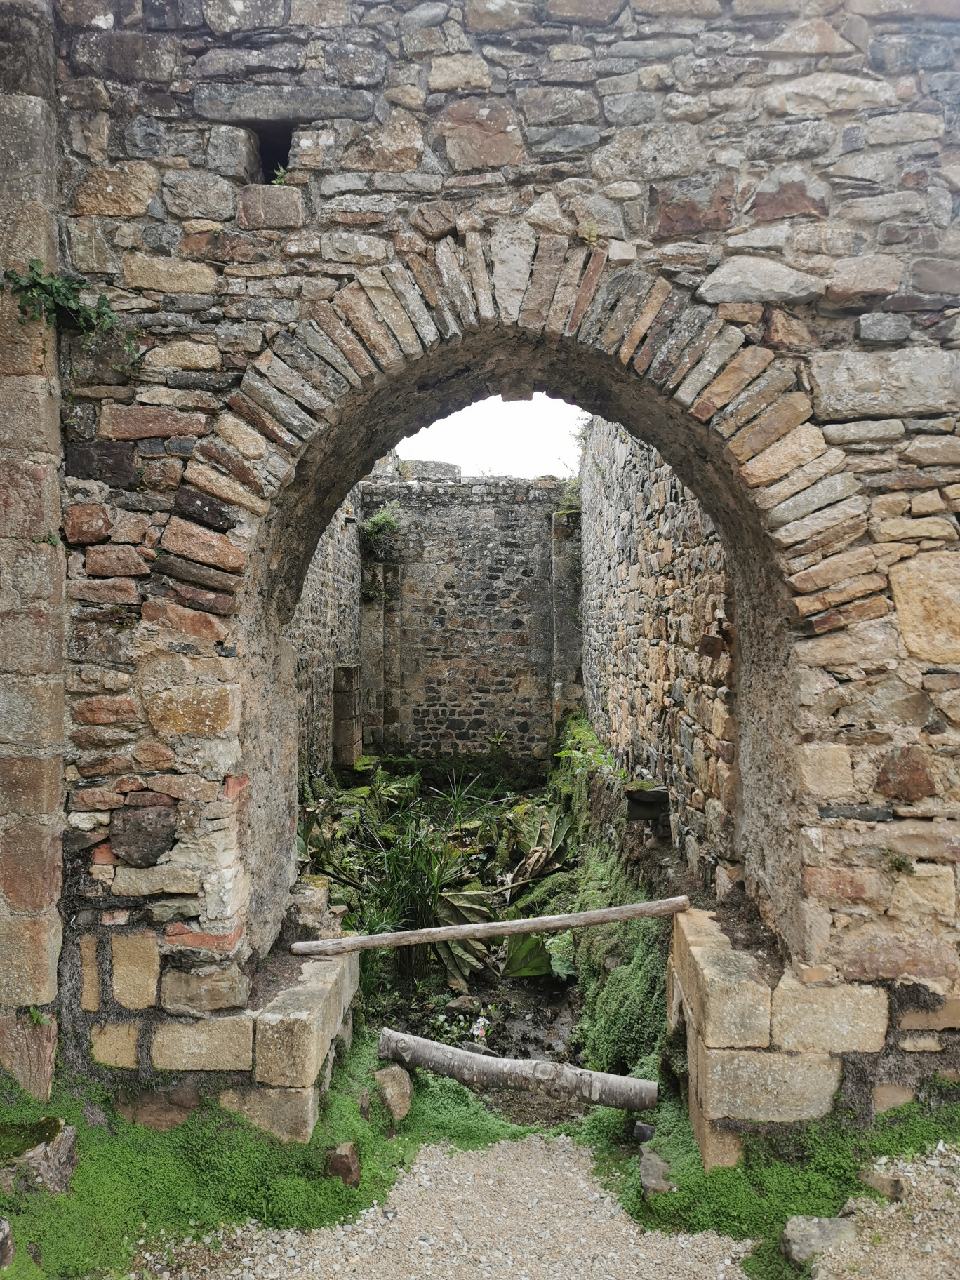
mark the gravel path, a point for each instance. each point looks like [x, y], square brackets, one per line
[919, 1237]
[529, 1210]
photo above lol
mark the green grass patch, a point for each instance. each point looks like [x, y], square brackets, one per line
[132, 1183]
[810, 1169]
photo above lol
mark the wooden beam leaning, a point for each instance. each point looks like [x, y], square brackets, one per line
[490, 928]
[479, 1071]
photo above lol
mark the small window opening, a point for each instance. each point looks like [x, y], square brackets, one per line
[274, 140]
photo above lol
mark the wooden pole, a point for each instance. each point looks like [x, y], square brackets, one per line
[479, 1071]
[490, 928]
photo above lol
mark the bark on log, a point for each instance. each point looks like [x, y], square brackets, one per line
[490, 928]
[554, 1078]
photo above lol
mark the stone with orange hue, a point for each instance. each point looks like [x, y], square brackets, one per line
[883, 948]
[196, 711]
[28, 1051]
[194, 542]
[117, 561]
[481, 134]
[30, 946]
[192, 939]
[189, 622]
[926, 592]
[30, 865]
[905, 775]
[29, 785]
[120, 191]
[841, 886]
[143, 422]
[86, 522]
[104, 590]
[106, 709]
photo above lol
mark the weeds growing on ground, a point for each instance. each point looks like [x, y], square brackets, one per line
[400, 832]
[132, 1183]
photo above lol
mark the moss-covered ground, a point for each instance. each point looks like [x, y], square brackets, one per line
[132, 1183]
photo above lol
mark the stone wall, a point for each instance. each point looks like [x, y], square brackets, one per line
[729, 225]
[658, 661]
[461, 649]
[326, 632]
[32, 561]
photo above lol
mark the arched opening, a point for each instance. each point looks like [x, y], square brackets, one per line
[492, 360]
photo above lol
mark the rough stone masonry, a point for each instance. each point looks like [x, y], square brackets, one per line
[728, 225]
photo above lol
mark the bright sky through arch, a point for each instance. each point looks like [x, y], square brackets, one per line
[515, 438]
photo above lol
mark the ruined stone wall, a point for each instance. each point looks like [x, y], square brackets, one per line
[459, 615]
[658, 638]
[729, 225]
[32, 561]
[325, 632]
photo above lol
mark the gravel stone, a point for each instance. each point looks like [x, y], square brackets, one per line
[917, 1237]
[529, 1210]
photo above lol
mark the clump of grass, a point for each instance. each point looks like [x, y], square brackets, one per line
[810, 1169]
[132, 1183]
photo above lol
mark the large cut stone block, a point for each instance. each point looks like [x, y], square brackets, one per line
[296, 1029]
[839, 1019]
[215, 1044]
[885, 384]
[136, 969]
[719, 1148]
[27, 1052]
[926, 591]
[30, 947]
[289, 1114]
[740, 1084]
[204, 990]
[724, 995]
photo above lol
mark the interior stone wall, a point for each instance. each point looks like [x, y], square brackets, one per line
[459, 615]
[325, 632]
[658, 639]
[729, 225]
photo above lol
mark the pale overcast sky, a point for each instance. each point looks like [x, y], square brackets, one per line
[519, 438]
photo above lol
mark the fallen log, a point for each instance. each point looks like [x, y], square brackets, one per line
[489, 928]
[478, 1071]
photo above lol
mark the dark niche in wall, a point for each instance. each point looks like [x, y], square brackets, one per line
[274, 140]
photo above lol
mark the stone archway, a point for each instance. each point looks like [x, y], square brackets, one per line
[393, 349]
[477, 232]
[523, 313]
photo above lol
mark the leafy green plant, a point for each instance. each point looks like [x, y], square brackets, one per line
[539, 833]
[899, 864]
[58, 300]
[378, 534]
[280, 175]
[406, 860]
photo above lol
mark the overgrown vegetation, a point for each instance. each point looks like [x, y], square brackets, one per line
[379, 533]
[408, 853]
[809, 1169]
[132, 1183]
[409, 846]
[58, 300]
